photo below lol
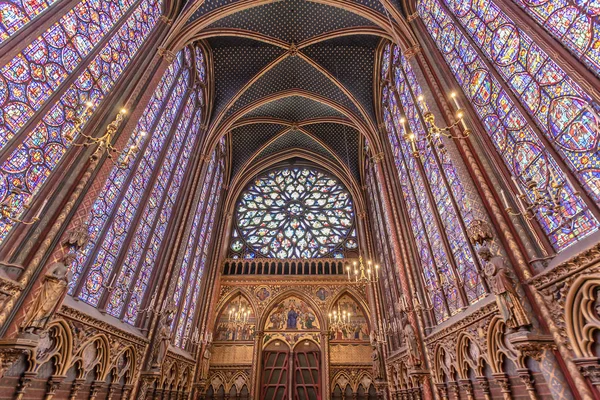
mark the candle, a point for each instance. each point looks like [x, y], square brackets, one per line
[403, 123]
[348, 269]
[454, 97]
[377, 270]
[423, 103]
[39, 211]
[515, 180]
[112, 281]
[504, 199]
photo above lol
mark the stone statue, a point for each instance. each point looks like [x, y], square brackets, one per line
[77, 238]
[54, 286]
[377, 362]
[206, 361]
[502, 286]
[414, 359]
[164, 338]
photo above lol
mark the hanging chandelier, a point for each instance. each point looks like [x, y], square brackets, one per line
[359, 274]
[238, 315]
[340, 320]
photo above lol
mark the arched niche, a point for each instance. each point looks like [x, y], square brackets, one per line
[357, 328]
[292, 314]
[226, 329]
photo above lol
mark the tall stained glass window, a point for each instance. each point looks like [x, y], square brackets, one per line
[129, 219]
[434, 196]
[196, 252]
[77, 60]
[576, 24]
[510, 80]
[294, 212]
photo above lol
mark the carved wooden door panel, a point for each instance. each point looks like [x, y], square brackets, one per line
[275, 375]
[307, 373]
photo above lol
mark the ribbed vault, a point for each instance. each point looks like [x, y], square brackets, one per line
[292, 74]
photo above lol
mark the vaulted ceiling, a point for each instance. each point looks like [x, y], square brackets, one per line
[291, 74]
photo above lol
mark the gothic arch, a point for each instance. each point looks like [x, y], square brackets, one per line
[93, 354]
[358, 299]
[56, 345]
[466, 360]
[284, 295]
[242, 291]
[581, 317]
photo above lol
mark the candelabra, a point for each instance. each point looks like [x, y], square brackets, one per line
[363, 275]
[544, 202]
[417, 304]
[238, 315]
[433, 131]
[340, 320]
[9, 208]
[111, 287]
[104, 142]
[436, 131]
[197, 339]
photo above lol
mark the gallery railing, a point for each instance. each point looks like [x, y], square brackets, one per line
[278, 266]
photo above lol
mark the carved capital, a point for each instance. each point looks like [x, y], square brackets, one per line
[503, 382]
[527, 379]
[12, 349]
[412, 16]
[412, 51]
[167, 54]
[590, 368]
[377, 157]
[531, 345]
[165, 20]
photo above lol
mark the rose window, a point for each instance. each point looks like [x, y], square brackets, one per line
[294, 212]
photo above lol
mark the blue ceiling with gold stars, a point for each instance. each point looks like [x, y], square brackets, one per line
[292, 74]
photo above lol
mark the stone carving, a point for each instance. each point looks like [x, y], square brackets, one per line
[206, 361]
[164, 338]
[377, 360]
[501, 284]
[54, 285]
[77, 238]
[412, 345]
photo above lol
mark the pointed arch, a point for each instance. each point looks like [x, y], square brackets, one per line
[283, 296]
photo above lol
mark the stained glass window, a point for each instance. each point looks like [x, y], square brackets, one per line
[294, 212]
[574, 23]
[185, 323]
[522, 150]
[15, 14]
[434, 197]
[128, 221]
[563, 111]
[28, 81]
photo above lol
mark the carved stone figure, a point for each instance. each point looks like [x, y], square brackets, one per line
[77, 238]
[164, 338]
[412, 345]
[46, 301]
[206, 361]
[377, 362]
[502, 286]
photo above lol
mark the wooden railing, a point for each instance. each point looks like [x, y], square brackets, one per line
[287, 266]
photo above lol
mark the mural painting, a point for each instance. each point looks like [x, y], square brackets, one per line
[292, 314]
[356, 329]
[231, 328]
